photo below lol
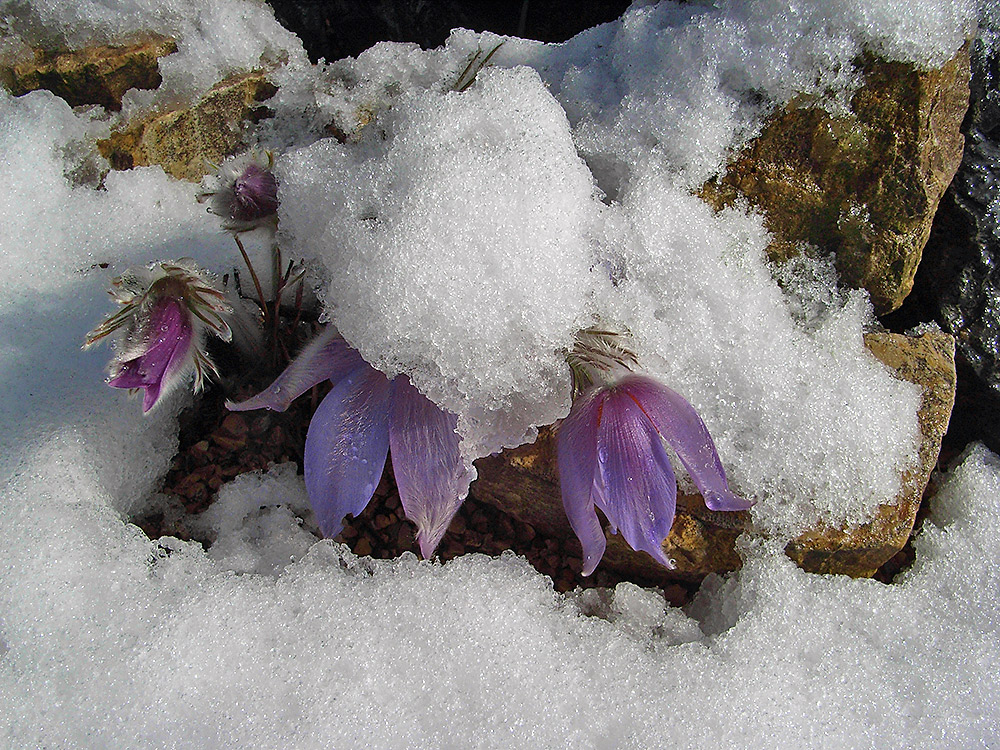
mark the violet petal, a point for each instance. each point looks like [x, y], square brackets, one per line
[346, 446]
[179, 359]
[679, 424]
[169, 335]
[576, 451]
[429, 472]
[636, 487]
[327, 356]
[131, 374]
[150, 396]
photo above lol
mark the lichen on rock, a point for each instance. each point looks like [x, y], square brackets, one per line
[864, 184]
[93, 75]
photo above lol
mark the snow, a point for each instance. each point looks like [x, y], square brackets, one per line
[463, 238]
[460, 232]
[213, 38]
[116, 640]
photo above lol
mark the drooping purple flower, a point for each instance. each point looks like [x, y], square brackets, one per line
[166, 311]
[354, 428]
[169, 332]
[243, 192]
[611, 453]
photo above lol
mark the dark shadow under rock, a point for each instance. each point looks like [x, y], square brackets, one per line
[333, 29]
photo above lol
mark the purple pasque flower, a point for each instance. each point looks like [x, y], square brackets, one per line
[243, 192]
[167, 309]
[168, 337]
[358, 422]
[611, 453]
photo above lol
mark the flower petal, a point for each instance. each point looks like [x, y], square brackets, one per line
[679, 424]
[576, 451]
[168, 337]
[636, 488]
[132, 374]
[346, 446]
[150, 396]
[431, 476]
[327, 356]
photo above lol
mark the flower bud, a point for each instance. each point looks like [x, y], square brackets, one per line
[243, 192]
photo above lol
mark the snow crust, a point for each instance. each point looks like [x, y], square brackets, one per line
[463, 238]
[465, 241]
[682, 84]
[112, 639]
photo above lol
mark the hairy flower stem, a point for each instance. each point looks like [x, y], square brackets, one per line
[279, 278]
[298, 314]
[279, 287]
[271, 309]
[253, 275]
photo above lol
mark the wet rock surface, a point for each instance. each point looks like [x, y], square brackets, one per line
[958, 284]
